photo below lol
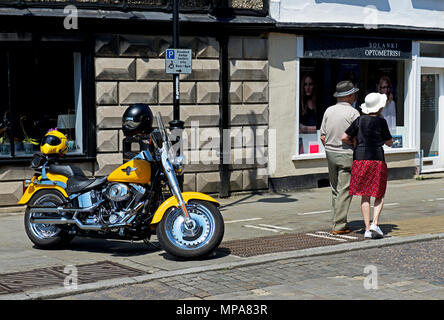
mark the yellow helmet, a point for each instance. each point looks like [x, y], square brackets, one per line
[54, 142]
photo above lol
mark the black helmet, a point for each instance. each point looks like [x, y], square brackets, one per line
[137, 119]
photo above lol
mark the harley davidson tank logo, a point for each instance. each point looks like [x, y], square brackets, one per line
[128, 170]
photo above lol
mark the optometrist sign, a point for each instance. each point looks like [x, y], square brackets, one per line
[364, 48]
[178, 61]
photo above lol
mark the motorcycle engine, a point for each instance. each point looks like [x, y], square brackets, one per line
[122, 199]
[117, 192]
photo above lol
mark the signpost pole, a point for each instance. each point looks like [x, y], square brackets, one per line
[176, 125]
[176, 90]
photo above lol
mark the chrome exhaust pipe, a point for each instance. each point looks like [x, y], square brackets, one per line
[75, 221]
[51, 220]
[60, 210]
[126, 221]
[86, 226]
[81, 225]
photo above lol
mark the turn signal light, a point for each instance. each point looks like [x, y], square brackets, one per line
[26, 184]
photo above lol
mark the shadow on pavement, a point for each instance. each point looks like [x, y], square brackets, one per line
[122, 248]
[359, 227]
[217, 254]
[115, 248]
[285, 198]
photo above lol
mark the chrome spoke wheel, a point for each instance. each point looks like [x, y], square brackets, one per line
[193, 236]
[44, 231]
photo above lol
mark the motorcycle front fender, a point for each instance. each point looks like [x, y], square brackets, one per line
[172, 202]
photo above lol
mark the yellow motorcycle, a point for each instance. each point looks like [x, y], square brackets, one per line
[138, 199]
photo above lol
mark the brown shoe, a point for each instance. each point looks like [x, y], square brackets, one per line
[345, 231]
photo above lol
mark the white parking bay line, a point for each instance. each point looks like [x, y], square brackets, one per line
[261, 228]
[242, 220]
[338, 235]
[431, 200]
[326, 237]
[391, 204]
[327, 211]
[275, 227]
[313, 212]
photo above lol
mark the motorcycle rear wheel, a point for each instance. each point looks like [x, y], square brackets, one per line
[206, 234]
[42, 235]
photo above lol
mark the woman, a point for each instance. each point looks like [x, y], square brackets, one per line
[389, 112]
[369, 133]
[308, 115]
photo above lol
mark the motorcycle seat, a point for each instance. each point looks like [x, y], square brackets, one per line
[66, 170]
[82, 184]
[77, 181]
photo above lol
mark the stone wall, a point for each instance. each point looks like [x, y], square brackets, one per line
[131, 69]
[13, 175]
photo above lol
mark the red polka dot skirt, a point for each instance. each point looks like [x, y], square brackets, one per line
[368, 178]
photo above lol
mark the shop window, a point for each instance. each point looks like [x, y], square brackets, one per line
[318, 79]
[39, 90]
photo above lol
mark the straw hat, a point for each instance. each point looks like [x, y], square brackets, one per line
[373, 102]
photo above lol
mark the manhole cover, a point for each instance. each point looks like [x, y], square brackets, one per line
[55, 276]
[287, 242]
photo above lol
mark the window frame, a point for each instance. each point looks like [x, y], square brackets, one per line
[85, 46]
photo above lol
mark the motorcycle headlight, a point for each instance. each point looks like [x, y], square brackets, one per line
[178, 165]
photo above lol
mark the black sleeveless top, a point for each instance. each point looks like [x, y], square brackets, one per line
[371, 133]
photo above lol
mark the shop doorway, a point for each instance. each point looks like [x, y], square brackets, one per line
[432, 116]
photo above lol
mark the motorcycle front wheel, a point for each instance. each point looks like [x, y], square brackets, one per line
[45, 236]
[200, 239]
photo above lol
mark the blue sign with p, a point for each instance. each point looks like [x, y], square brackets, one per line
[170, 54]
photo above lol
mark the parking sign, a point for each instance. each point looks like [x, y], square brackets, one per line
[178, 61]
[170, 54]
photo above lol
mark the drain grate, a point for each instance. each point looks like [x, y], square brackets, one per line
[4, 290]
[101, 271]
[21, 281]
[55, 276]
[287, 242]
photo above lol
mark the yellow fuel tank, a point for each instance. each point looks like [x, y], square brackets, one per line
[134, 171]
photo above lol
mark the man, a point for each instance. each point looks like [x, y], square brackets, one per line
[336, 120]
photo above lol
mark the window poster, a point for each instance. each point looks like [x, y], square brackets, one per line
[385, 79]
[311, 106]
[308, 110]
[318, 80]
[397, 141]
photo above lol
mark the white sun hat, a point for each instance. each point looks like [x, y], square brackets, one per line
[373, 102]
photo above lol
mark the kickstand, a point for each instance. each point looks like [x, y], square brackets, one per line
[151, 245]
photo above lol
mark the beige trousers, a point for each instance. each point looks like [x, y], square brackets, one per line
[339, 172]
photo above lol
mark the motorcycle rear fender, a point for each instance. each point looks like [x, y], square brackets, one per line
[172, 202]
[34, 187]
